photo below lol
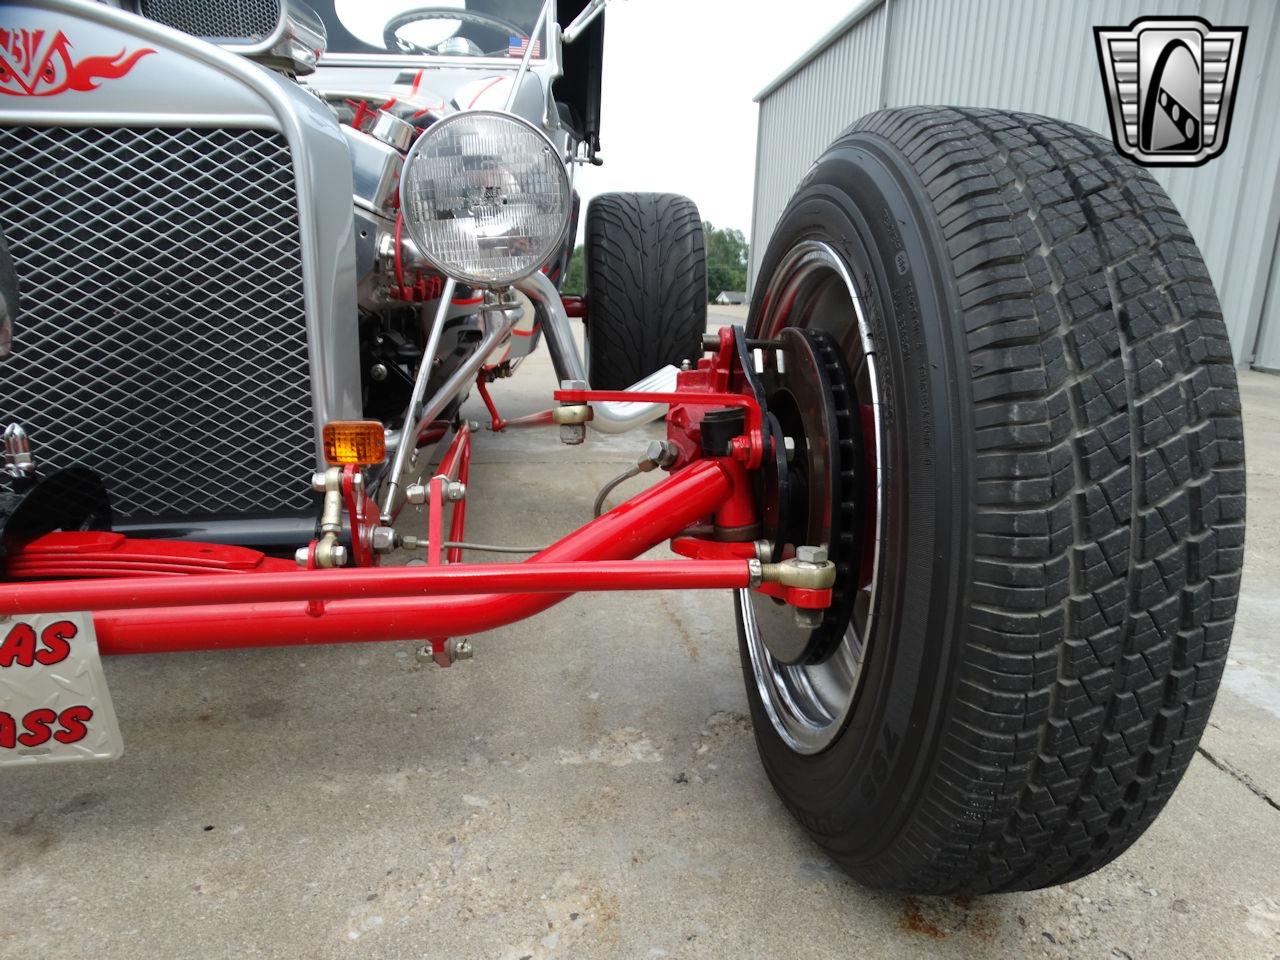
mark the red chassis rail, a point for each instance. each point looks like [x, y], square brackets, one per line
[159, 596]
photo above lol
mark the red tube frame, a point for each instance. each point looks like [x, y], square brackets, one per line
[371, 582]
[179, 597]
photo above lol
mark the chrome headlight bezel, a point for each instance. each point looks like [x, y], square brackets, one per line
[425, 243]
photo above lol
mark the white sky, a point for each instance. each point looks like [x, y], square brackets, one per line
[679, 76]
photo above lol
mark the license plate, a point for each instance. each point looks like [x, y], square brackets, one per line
[54, 704]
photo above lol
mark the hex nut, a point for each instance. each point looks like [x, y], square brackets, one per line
[455, 490]
[383, 539]
[416, 493]
[807, 554]
[808, 619]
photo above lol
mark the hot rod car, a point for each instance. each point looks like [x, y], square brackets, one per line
[972, 470]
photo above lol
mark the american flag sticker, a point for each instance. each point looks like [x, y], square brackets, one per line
[516, 47]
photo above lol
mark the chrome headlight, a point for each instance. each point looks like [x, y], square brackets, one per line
[486, 197]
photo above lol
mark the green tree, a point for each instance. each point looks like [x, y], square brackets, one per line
[575, 278]
[727, 251]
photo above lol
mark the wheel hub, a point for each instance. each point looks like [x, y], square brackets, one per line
[809, 483]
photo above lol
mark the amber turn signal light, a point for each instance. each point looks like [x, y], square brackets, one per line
[358, 442]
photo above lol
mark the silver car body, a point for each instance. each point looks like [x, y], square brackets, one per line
[184, 83]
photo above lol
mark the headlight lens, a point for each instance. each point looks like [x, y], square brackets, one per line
[485, 197]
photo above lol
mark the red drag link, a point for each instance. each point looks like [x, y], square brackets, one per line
[649, 518]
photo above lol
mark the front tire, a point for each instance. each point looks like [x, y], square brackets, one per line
[1054, 508]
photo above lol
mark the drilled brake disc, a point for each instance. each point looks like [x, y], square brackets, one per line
[809, 484]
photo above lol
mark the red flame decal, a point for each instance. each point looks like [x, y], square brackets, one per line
[33, 66]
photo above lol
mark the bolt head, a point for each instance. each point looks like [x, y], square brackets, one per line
[339, 554]
[473, 425]
[808, 554]
[319, 482]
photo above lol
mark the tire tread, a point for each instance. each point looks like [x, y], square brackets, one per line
[646, 285]
[1109, 502]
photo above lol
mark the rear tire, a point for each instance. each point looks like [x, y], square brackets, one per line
[646, 286]
[1061, 506]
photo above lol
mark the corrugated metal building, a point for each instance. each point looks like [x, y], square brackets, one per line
[1039, 56]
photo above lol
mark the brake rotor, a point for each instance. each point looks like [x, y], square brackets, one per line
[809, 485]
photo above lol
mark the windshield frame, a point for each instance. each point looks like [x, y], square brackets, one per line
[550, 54]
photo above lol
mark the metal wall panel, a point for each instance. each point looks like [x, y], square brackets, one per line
[807, 112]
[1039, 55]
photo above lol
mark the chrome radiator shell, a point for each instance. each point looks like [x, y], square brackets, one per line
[198, 208]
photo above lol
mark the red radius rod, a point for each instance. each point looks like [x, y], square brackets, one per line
[269, 609]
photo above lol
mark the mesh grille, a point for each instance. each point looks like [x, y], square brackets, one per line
[222, 19]
[162, 337]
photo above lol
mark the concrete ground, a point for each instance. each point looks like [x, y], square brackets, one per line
[586, 787]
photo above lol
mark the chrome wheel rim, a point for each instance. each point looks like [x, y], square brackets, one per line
[809, 704]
